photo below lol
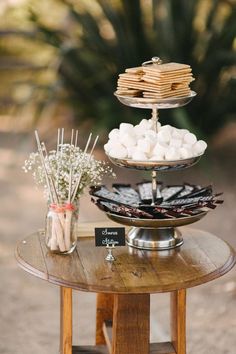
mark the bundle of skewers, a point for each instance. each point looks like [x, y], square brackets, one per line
[64, 173]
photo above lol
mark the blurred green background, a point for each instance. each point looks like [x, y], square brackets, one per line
[59, 59]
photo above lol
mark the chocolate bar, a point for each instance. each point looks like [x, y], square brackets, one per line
[103, 193]
[173, 202]
[145, 192]
[171, 192]
[201, 192]
[127, 190]
[187, 201]
[188, 189]
[123, 210]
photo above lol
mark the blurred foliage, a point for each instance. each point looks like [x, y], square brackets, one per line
[92, 41]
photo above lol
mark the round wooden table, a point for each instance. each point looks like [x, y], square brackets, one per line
[124, 286]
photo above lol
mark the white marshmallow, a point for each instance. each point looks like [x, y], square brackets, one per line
[159, 149]
[139, 155]
[150, 134]
[199, 147]
[187, 146]
[176, 134]
[114, 134]
[167, 127]
[190, 138]
[156, 158]
[144, 145]
[185, 153]
[131, 150]
[145, 124]
[126, 128]
[175, 142]
[164, 135]
[139, 131]
[107, 147]
[127, 139]
[183, 132]
[172, 154]
[118, 151]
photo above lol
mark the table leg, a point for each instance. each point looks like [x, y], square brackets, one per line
[66, 320]
[178, 320]
[131, 324]
[104, 313]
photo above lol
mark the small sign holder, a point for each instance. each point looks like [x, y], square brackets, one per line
[109, 237]
[110, 247]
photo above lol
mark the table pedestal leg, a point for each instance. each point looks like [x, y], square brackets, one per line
[178, 320]
[131, 324]
[104, 313]
[66, 320]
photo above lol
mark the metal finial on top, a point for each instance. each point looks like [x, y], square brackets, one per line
[154, 60]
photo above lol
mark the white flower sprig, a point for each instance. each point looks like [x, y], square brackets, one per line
[69, 171]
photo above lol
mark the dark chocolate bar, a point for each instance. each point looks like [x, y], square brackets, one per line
[123, 210]
[187, 201]
[104, 193]
[145, 192]
[201, 192]
[127, 190]
[173, 202]
[188, 189]
[171, 192]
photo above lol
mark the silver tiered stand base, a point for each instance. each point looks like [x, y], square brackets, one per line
[155, 234]
[154, 239]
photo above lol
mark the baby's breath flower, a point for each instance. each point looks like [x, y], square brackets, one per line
[58, 165]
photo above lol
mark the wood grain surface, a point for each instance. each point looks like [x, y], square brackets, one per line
[202, 258]
[155, 348]
[104, 312]
[66, 320]
[131, 324]
[178, 320]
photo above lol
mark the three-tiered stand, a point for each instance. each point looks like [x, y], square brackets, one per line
[155, 234]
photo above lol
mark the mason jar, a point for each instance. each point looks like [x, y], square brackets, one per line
[61, 228]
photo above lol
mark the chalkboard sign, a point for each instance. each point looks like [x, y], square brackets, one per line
[109, 235]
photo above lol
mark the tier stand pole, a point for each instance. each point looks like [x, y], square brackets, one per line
[155, 117]
[162, 238]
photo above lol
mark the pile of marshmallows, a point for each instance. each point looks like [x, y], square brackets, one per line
[141, 142]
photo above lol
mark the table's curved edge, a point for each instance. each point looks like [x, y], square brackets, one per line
[96, 289]
[212, 275]
[25, 266]
[227, 266]
[44, 276]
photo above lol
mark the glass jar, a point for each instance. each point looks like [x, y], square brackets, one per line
[61, 228]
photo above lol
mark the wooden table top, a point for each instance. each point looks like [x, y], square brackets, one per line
[202, 258]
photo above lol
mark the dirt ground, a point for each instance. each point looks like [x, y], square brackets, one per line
[29, 316]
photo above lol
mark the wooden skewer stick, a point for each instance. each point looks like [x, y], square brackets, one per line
[58, 138]
[50, 174]
[72, 137]
[59, 218]
[81, 174]
[71, 170]
[44, 166]
[76, 138]
[83, 157]
[82, 160]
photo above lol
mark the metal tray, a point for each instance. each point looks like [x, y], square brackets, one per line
[150, 103]
[155, 223]
[155, 165]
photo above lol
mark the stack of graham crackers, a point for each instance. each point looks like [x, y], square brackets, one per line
[156, 81]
